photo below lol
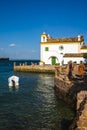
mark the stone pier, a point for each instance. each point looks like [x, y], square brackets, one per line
[33, 68]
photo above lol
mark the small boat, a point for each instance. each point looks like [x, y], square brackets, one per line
[13, 81]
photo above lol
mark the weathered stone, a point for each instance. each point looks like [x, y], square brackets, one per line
[86, 106]
[85, 123]
[74, 92]
[85, 113]
[80, 123]
[81, 95]
[79, 128]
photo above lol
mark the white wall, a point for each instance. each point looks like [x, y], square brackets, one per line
[73, 59]
[55, 51]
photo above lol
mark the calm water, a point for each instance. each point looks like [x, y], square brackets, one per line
[31, 106]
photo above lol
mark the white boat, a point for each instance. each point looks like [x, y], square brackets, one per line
[13, 81]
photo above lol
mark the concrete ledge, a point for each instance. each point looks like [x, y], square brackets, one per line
[35, 69]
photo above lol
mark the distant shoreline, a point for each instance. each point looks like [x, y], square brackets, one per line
[4, 59]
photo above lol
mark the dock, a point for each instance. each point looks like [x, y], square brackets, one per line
[34, 68]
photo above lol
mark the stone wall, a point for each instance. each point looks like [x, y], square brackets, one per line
[34, 68]
[73, 92]
[67, 90]
[82, 110]
[80, 120]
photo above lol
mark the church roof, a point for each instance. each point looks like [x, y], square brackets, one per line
[84, 47]
[71, 39]
[73, 55]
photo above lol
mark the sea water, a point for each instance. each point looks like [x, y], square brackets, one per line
[32, 105]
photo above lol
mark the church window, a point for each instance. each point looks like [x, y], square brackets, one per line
[61, 47]
[46, 49]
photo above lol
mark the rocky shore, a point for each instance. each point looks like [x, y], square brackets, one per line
[73, 92]
[67, 90]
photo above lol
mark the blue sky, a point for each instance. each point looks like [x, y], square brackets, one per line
[23, 21]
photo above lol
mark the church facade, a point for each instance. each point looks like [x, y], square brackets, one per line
[62, 50]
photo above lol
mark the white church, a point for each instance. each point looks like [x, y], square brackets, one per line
[62, 50]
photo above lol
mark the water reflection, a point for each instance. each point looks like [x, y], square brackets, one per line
[13, 88]
[32, 105]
